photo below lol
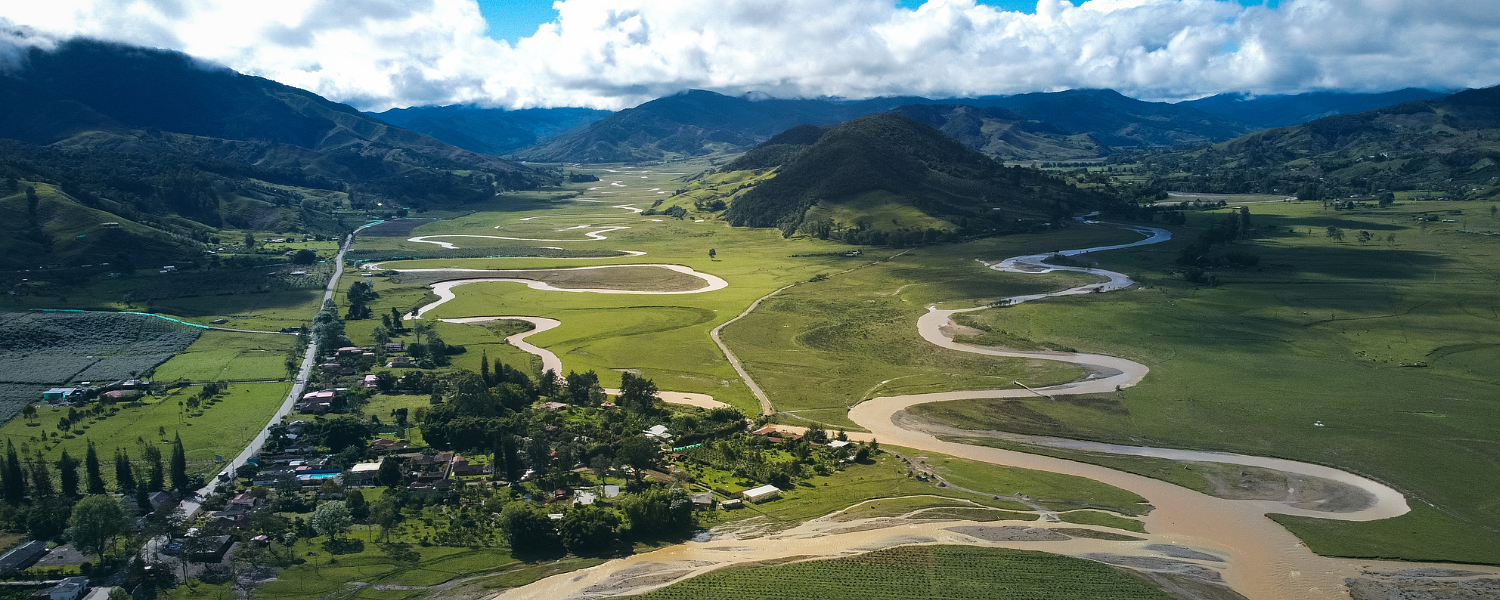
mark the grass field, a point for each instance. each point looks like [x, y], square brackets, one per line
[951, 572]
[222, 429]
[1389, 344]
[227, 356]
[666, 337]
[1102, 519]
[480, 571]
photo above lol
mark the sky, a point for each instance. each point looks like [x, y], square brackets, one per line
[612, 54]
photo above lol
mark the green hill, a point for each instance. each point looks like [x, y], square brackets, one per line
[885, 176]
[59, 231]
[1441, 148]
[1004, 134]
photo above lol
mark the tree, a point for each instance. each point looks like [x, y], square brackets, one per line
[358, 508]
[156, 478]
[1335, 233]
[41, 476]
[32, 202]
[1365, 236]
[636, 393]
[95, 523]
[67, 469]
[14, 481]
[304, 257]
[179, 466]
[343, 432]
[588, 530]
[527, 528]
[381, 333]
[124, 473]
[389, 474]
[331, 519]
[47, 518]
[249, 240]
[386, 514]
[712, 253]
[657, 511]
[639, 452]
[91, 470]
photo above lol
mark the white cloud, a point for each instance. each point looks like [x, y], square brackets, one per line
[616, 53]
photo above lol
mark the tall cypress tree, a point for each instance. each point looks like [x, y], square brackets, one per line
[156, 479]
[14, 481]
[124, 474]
[91, 468]
[41, 476]
[484, 368]
[67, 471]
[179, 466]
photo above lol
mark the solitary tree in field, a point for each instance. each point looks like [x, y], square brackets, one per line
[95, 523]
[711, 253]
[249, 240]
[331, 519]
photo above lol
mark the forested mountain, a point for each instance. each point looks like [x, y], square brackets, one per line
[1041, 126]
[1118, 121]
[1002, 133]
[491, 130]
[155, 132]
[1450, 147]
[695, 123]
[1287, 110]
[885, 174]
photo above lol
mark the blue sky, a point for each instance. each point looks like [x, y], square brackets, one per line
[511, 20]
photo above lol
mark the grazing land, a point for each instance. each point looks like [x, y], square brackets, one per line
[1371, 356]
[229, 356]
[221, 427]
[957, 572]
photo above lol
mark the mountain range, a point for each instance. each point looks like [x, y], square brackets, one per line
[172, 149]
[1285, 110]
[491, 131]
[1449, 147]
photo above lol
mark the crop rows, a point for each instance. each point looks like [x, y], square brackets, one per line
[948, 572]
[45, 348]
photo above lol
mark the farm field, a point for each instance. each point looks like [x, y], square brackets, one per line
[1369, 356]
[228, 356]
[221, 429]
[955, 572]
[40, 350]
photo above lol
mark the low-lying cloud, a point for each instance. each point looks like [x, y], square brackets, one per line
[377, 54]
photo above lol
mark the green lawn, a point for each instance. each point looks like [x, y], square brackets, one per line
[222, 429]
[951, 572]
[1317, 333]
[226, 356]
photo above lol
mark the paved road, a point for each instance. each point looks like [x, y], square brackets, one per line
[190, 506]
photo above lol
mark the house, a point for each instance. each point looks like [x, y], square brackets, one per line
[22, 556]
[363, 473]
[245, 499]
[767, 430]
[371, 382]
[761, 494]
[59, 394]
[658, 432]
[395, 346]
[213, 549]
[585, 498]
[703, 500]
[318, 402]
[160, 499]
[401, 362]
[71, 588]
[122, 395]
[553, 406]
[462, 468]
[384, 445]
[611, 491]
[732, 504]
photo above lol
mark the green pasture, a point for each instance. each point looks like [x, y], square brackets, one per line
[481, 571]
[954, 572]
[228, 356]
[1053, 490]
[222, 429]
[1389, 344]
[1102, 519]
[823, 346]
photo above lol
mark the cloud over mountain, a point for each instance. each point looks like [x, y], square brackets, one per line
[617, 53]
